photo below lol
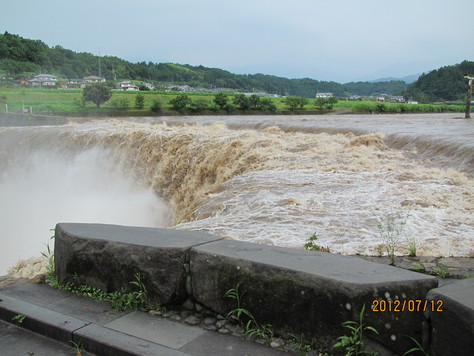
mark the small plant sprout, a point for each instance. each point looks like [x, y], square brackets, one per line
[19, 318]
[311, 245]
[418, 349]
[297, 343]
[252, 327]
[412, 245]
[353, 343]
[441, 270]
[418, 266]
[390, 229]
[77, 348]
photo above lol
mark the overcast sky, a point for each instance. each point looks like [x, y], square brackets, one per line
[340, 40]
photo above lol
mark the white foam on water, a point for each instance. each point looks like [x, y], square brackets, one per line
[285, 208]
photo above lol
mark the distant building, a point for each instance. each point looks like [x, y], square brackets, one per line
[93, 79]
[397, 99]
[149, 86]
[382, 97]
[43, 80]
[128, 86]
[324, 95]
[76, 83]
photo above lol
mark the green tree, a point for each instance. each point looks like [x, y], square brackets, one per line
[332, 101]
[139, 101]
[295, 102]
[221, 100]
[180, 103]
[254, 101]
[98, 93]
[198, 105]
[242, 102]
[320, 103]
[266, 104]
[156, 106]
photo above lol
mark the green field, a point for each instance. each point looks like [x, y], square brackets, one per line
[69, 102]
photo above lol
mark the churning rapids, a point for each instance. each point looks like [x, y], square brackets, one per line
[266, 179]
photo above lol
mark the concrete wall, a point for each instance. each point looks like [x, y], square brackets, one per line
[297, 291]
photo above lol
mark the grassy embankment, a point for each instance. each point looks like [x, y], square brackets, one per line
[69, 102]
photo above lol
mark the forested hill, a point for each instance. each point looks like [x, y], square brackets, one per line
[443, 84]
[25, 57]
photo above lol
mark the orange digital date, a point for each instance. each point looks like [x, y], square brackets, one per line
[411, 305]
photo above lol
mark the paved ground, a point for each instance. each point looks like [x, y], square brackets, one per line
[53, 318]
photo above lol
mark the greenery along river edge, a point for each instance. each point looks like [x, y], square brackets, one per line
[70, 102]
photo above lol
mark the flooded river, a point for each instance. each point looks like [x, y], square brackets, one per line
[268, 179]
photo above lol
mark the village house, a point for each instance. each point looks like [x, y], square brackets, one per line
[382, 97]
[149, 86]
[127, 86]
[43, 80]
[76, 83]
[324, 95]
[397, 99]
[93, 79]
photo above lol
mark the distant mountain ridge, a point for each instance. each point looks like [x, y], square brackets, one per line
[443, 84]
[407, 79]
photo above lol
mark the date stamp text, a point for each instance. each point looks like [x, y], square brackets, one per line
[410, 305]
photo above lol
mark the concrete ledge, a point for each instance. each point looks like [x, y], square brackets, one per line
[109, 256]
[307, 292]
[297, 291]
[42, 321]
[453, 327]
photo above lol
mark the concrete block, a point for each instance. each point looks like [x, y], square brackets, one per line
[453, 327]
[109, 256]
[307, 292]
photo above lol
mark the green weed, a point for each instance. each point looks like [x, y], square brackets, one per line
[298, 344]
[390, 229]
[441, 270]
[252, 327]
[19, 318]
[353, 343]
[418, 267]
[412, 245]
[311, 245]
[417, 349]
[77, 348]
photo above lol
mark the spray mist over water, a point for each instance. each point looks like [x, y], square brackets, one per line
[46, 187]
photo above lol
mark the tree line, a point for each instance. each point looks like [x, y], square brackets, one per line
[99, 93]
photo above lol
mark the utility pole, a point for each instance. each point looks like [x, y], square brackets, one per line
[468, 99]
[100, 71]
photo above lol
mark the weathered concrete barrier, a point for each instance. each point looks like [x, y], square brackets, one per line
[452, 318]
[109, 256]
[297, 291]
